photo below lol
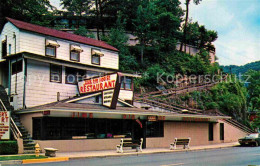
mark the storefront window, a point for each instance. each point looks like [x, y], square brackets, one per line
[54, 128]
[55, 73]
[74, 75]
[126, 83]
[154, 129]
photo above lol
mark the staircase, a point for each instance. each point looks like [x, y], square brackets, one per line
[16, 126]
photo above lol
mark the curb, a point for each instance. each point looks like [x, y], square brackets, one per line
[147, 153]
[56, 159]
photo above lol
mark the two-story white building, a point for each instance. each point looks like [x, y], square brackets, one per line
[69, 95]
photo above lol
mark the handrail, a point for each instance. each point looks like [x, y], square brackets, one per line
[3, 105]
[14, 128]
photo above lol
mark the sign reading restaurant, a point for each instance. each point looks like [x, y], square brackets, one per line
[98, 84]
[4, 125]
[109, 85]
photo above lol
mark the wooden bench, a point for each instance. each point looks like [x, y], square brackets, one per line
[180, 141]
[50, 152]
[129, 143]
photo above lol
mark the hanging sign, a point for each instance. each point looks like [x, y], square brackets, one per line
[4, 125]
[109, 85]
[97, 84]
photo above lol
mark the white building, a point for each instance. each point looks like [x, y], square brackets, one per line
[44, 64]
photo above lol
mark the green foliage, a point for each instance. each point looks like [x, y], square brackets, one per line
[8, 147]
[253, 78]
[84, 32]
[242, 69]
[117, 38]
[21, 157]
[34, 11]
[76, 6]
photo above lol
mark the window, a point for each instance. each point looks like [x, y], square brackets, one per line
[211, 135]
[221, 129]
[74, 75]
[95, 56]
[51, 51]
[154, 129]
[74, 55]
[50, 48]
[126, 83]
[55, 73]
[17, 67]
[75, 52]
[4, 48]
[10, 49]
[95, 59]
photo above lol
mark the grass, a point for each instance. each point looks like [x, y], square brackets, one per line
[21, 157]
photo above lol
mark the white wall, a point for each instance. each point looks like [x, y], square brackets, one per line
[39, 89]
[126, 94]
[35, 43]
[8, 30]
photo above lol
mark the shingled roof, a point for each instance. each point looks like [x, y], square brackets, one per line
[60, 34]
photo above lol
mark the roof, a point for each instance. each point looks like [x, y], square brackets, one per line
[62, 106]
[60, 34]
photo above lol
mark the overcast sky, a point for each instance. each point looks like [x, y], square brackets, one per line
[237, 23]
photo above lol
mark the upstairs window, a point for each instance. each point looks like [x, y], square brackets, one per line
[4, 48]
[95, 56]
[50, 48]
[75, 53]
[74, 75]
[55, 73]
[126, 83]
[17, 67]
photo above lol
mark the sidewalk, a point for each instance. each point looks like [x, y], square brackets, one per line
[65, 156]
[113, 153]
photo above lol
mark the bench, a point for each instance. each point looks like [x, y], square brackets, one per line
[50, 152]
[129, 143]
[180, 141]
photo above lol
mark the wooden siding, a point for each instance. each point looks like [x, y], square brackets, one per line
[8, 30]
[35, 43]
[39, 89]
[19, 84]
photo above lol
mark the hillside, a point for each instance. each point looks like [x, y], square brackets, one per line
[242, 69]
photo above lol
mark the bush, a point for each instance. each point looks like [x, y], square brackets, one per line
[8, 147]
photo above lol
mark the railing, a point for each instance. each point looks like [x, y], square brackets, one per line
[13, 127]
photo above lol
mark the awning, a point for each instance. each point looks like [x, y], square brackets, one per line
[97, 52]
[76, 48]
[52, 43]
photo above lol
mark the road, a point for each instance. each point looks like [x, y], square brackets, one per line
[236, 156]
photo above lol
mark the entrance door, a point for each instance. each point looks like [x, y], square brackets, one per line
[139, 131]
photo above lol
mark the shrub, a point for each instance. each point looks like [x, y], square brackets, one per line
[8, 147]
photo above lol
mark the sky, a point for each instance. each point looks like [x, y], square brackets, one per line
[237, 23]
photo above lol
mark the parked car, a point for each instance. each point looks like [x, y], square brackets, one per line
[250, 139]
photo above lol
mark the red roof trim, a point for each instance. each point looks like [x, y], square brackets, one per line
[60, 34]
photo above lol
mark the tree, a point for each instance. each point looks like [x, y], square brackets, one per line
[186, 21]
[77, 6]
[253, 89]
[143, 25]
[84, 32]
[34, 11]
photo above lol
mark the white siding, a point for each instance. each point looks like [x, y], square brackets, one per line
[126, 95]
[8, 30]
[17, 82]
[35, 43]
[39, 89]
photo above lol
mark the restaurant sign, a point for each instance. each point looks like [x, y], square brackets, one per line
[109, 85]
[97, 84]
[4, 125]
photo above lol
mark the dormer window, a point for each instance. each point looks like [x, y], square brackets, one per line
[50, 48]
[75, 52]
[95, 56]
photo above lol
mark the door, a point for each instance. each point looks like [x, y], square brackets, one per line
[138, 131]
